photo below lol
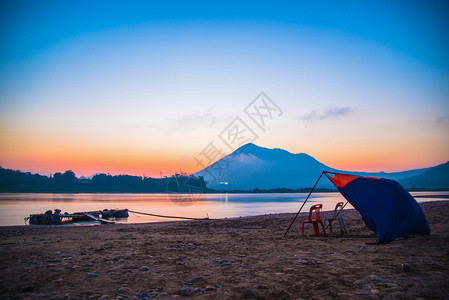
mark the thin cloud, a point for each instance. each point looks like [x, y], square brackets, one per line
[443, 119]
[193, 120]
[328, 113]
[205, 119]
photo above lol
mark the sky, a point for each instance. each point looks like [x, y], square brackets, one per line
[146, 87]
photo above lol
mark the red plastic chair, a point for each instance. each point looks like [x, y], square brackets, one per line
[318, 219]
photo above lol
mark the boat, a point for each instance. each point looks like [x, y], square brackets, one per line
[114, 213]
[47, 218]
[80, 216]
[56, 217]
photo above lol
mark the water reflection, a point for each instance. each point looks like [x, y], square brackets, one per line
[15, 207]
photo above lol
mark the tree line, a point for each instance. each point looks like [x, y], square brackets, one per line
[17, 181]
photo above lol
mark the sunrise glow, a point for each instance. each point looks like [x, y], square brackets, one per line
[144, 88]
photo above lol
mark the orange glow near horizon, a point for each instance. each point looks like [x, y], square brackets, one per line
[47, 160]
[92, 165]
[58, 151]
[47, 157]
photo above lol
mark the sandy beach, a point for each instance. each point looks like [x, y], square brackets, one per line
[224, 259]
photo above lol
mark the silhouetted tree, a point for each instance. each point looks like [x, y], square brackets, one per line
[67, 178]
[102, 179]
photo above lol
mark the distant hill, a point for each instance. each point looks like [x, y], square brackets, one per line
[253, 167]
[434, 178]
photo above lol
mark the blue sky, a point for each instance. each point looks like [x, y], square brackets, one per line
[142, 87]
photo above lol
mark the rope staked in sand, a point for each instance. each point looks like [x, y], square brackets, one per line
[170, 217]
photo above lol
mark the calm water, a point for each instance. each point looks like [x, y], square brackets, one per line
[15, 207]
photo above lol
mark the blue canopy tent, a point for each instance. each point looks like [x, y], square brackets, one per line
[386, 207]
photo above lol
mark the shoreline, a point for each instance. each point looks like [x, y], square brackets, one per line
[163, 221]
[225, 259]
[271, 191]
[225, 218]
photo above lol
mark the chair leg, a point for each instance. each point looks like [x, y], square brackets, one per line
[322, 225]
[316, 229]
[341, 223]
[330, 225]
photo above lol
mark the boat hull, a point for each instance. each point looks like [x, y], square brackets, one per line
[45, 219]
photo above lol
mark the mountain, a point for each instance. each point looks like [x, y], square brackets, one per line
[253, 167]
[89, 177]
[434, 178]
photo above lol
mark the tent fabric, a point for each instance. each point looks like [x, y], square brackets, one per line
[386, 207]
[340, 180]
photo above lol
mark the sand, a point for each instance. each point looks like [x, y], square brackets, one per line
[223, 259]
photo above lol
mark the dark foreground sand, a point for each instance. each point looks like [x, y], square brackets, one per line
[223, 259]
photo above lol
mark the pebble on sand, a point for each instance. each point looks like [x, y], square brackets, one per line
[406, 267]
[345, 295]
[123, 290]
[375, 278]
[363, 293]
[92, 275]
[144, 268]
[360, 282]
[162, 295]
[28, 288]
[186, 292]
[303, 262]
[248, 294]
[391, 284]
[197, 279]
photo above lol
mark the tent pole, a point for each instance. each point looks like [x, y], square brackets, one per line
[303, 204]
[343, 205]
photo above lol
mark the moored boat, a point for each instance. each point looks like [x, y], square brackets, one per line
[115, 213]
[56, 218]
[80, 216]
[47, 218]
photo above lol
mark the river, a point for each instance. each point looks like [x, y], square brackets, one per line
[14, 207]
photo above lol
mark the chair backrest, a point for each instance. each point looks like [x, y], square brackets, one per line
[338, 207]
[318, 213]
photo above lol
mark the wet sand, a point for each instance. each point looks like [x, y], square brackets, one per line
[224, 259]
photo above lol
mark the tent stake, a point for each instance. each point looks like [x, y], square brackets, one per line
[303, 204]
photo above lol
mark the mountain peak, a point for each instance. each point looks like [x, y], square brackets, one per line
[252, 166]
[254, 149]
[248, 147]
